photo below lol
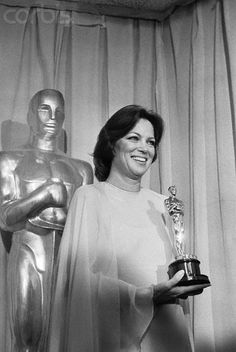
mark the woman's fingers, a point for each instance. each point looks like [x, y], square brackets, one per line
[183, 290]
[191, 288]
[175, 279]
[168, 290]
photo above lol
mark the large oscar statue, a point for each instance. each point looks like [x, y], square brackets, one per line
[188, 262]
[37, 182]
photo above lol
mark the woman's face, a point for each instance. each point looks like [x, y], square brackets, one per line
[135, 151]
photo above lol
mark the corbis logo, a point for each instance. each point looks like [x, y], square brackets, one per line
[44, 15]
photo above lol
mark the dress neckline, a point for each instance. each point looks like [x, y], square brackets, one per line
[121, 189]
[120, 193]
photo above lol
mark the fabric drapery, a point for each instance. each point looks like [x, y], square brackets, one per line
[103, 261]
[185, 68]
[198, 89]
[88, 295]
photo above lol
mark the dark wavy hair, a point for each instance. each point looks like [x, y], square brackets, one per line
[117, 127]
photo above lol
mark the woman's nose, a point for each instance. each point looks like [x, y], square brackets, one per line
[142, 146]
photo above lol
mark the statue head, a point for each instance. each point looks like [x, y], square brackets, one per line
[46, 113]
[172, 190]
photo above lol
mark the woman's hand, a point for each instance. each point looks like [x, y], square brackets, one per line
[167, 291]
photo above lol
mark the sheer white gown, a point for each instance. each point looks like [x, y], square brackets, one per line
[114, 242]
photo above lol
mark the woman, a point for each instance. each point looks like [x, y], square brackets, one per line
[112, 292]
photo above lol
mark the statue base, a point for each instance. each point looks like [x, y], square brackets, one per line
[190, 265]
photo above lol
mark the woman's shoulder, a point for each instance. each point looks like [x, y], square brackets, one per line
[153, 194]
[90, 197]
[89, 191]
[155, 197]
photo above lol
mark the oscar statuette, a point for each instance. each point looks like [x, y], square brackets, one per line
[187, 262]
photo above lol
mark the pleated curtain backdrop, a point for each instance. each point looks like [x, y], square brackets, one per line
[196, 96]
[185, 68]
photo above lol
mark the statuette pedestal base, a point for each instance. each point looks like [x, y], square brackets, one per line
[190, 265]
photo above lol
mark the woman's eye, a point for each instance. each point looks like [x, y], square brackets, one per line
[152, 143]
[133, 138]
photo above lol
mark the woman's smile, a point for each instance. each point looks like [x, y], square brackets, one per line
[139, 159]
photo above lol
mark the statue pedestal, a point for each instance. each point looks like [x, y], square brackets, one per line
[192, 274]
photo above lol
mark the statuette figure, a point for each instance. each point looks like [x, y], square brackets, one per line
[37, 182]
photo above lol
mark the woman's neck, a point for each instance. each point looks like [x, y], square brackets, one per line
[125, 183]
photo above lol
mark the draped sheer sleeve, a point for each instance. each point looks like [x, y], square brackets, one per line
[93, 311]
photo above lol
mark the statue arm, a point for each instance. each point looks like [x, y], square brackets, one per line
[87, 174]
[15, 210]
[85, 170]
